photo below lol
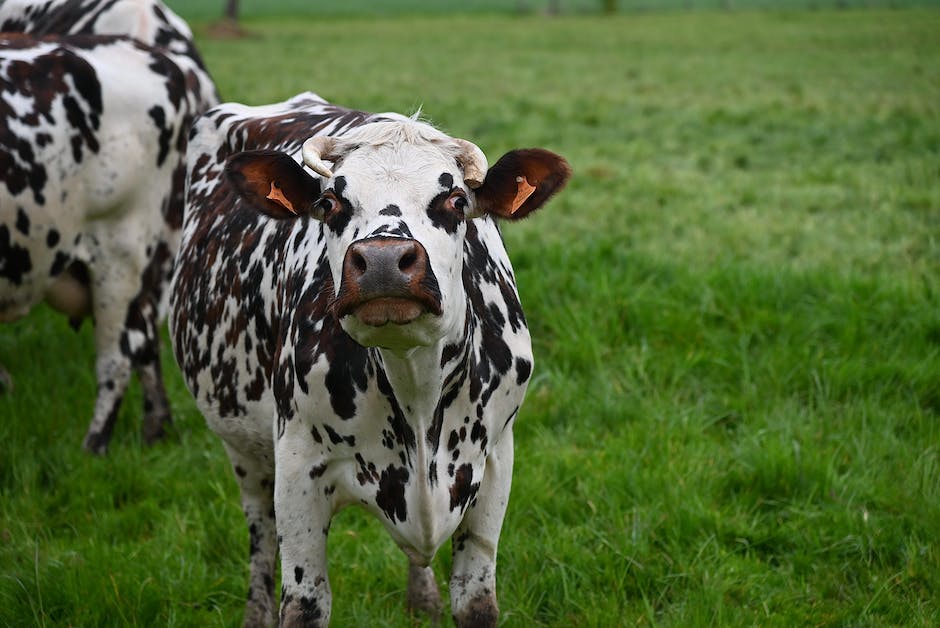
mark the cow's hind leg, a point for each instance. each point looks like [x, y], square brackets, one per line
[113, 288]
[6, 382]
[113, 372]
[141, 341]
[142, 322]
[126, 337]
[423, 595]
[156, 407]
[257, 494]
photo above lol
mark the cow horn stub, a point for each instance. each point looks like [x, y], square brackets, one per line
[313, 152]
[473, 162]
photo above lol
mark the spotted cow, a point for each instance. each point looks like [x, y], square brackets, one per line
[96, 100]
[353, 333]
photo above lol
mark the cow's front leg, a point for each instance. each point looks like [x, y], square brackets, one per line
[303, 507]
[256, 483]
[473, 576]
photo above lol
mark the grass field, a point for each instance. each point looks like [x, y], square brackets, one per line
[212, 9]
[736, 314]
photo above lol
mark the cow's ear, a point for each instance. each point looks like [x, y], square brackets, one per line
[521, 182]
[273, 182]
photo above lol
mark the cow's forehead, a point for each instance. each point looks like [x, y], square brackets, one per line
[409, 175]
[396, 160]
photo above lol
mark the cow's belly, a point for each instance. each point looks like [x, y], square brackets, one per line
[35, 247]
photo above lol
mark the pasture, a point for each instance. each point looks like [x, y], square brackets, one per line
[735, 307]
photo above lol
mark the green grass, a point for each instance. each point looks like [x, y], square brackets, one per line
[213, 9]
[736, 315]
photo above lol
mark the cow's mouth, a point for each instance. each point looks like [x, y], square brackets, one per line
[381, 311]
[399, 309]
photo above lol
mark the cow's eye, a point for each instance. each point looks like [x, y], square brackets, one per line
[458, 202]
[326, 204]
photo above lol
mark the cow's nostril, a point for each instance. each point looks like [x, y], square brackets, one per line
[359, 262]
[407, 261]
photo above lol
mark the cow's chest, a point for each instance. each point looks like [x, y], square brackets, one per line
[415, 462]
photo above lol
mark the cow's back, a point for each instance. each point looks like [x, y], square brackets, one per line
[149, 22]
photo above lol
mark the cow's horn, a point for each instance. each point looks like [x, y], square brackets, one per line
[473, 162]
[313, 151]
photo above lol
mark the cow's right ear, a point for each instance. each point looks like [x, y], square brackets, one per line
[273, 183]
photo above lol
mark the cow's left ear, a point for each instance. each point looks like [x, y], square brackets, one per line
[521, 182]
[273, 182]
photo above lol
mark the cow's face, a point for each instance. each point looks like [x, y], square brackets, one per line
[394, 206]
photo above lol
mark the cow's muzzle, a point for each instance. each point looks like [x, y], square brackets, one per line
[387, 280]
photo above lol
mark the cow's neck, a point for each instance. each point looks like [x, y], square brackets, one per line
[415, 377]
[418, 377]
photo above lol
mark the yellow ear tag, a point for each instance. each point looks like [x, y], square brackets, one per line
[277, 196]
[523, 192]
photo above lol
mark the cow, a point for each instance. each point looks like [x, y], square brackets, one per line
[96, 100]
[353, 333]
[148, 21]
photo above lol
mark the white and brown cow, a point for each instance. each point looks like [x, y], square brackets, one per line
[354, 335]
[96, 100]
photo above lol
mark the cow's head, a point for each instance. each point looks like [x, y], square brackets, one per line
[395, 204]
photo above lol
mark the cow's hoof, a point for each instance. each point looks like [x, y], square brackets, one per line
[423, 595]
[480, 612]
[155, 428]
[257, 616]
[303, 612]
[96, 444]
[6, 382]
